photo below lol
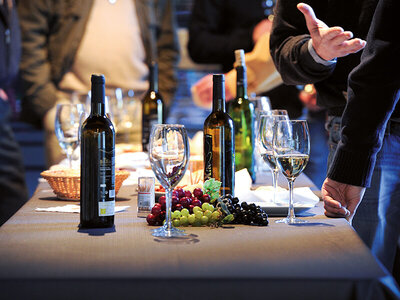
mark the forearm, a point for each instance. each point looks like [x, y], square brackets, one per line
[168, 53]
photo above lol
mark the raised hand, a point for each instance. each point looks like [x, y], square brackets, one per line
[329, 42]
[341, 200]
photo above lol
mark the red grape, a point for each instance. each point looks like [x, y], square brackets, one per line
[181, 193]
[175, 201]
[178, 206]
[196, 202]
[188, 194]
[198, 193]
[184, 201]
[205, 198]
[156, 210]
[151, 219]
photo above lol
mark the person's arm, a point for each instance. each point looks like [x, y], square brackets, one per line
[304, 48]
[208, 40]
[168, 50]
[374, 91]
[39, 92]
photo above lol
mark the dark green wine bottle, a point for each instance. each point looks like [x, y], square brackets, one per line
[97, 163]
[153, 111]
[219, 141]
[241, 111]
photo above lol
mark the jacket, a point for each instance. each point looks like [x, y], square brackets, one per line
[289, 40]
[52, 31]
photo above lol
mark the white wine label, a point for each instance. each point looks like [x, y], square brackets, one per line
[111, 193]
[106, 208]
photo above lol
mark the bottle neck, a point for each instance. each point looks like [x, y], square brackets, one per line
[218, 97]
[153, 77]
[98, 100]
[241, 82]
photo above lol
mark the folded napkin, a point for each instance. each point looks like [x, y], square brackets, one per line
[73, 208]
[263, 196]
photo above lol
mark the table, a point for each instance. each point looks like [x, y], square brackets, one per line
[43, 255]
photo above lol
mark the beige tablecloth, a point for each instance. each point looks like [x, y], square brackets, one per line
[43, 255]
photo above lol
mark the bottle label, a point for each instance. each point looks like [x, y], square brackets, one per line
[208, 157]
[106, 208]
[146, 130]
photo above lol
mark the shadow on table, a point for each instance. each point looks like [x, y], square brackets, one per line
[187, 239]
[97, 231]
[309, 224]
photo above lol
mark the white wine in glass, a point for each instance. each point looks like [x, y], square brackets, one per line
[169, 157]
[291, 145]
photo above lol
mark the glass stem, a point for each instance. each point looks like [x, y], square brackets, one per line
[168, 218]
[291, 214]
[69, 157]
[275, 173]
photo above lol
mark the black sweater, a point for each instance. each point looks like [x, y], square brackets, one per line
[374, 91]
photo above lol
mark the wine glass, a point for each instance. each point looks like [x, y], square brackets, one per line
[267, 122]
[169, 157]
[291, 143]
[67, 123]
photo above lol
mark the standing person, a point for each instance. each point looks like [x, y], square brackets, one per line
[218, 28]
[370, 136]
[65, 41]
[307, 50]
[12, 178]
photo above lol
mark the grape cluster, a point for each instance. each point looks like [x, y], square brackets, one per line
[247, 214]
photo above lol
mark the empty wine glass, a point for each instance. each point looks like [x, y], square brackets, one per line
[267, 121]
[67, 123]
[291, 143]
[169, 157]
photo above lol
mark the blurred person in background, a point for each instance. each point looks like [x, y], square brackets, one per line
[371, 134]
[217, 29]
[64, 42]
[12, 176]
[308, 50]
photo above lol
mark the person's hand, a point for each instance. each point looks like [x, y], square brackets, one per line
[341, 200]
[329, 42]
[308, 96]
[263, 27]
[202, 92]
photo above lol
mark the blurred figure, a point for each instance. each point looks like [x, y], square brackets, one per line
[218, 28]
[371, 133]
[65, 41]
[12, 178]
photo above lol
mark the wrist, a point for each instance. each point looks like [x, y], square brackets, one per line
[318, 58]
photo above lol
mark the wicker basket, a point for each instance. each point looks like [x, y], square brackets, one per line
[66, 183]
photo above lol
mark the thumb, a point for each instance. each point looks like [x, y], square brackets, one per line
[309, 15]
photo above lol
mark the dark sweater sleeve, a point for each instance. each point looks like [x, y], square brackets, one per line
[209, 42]
[373, 94]
[289, 46]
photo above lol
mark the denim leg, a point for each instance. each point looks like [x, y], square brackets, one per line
[333, 127]
[377, 220]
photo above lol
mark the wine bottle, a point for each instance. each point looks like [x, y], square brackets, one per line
[219, 141]
[241, 111]
[97, 162]
[153, 111]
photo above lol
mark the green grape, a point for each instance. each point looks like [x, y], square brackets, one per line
[176, 222]
[176, 214]
[185, 212]
[191, 218]
[204, 220]
[198, 214]
[197, 223]
[196, 208]
[205, 206]
[215, 215]
[208, 213]
[184, 221]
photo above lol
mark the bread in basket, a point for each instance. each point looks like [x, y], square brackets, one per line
[66, 182]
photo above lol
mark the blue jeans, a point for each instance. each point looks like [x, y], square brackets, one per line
[377, 220]
[12, 178]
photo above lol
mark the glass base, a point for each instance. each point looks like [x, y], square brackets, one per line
[168, 233]
[291, 220]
